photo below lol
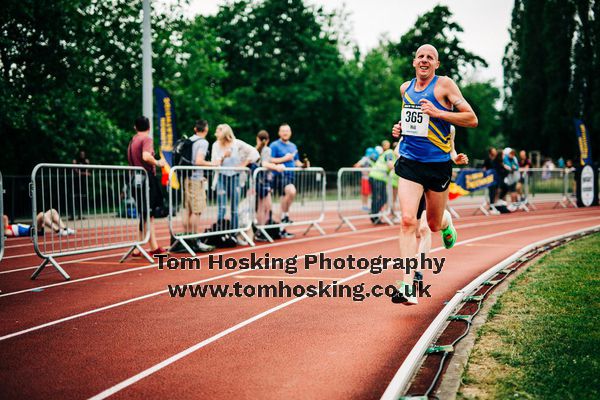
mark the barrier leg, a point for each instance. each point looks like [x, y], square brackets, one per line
[140, 249]
[483, 208]
[387, 220]
[55, 264]
[247, 238]
[345, 221]
[265, 234]
[185, 246]
[317, 227]
[452, 212]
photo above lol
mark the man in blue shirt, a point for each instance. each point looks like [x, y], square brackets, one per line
[283, 151]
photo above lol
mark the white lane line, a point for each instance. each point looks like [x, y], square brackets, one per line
[157, 367]
[325, 224]
[120, 253]
[238, 250]
[352, 246]
[164, 291]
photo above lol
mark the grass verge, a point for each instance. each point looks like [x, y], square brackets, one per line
[542, 339]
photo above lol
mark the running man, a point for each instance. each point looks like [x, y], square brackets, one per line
[424, 233]
[430, 104]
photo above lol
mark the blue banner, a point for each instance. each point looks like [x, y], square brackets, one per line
[475, 179]
[583, 140]
[165, 112]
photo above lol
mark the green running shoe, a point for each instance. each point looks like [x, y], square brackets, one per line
[449, 235]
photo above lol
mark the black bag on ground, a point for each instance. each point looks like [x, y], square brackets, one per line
[223, 240]
[275, 233]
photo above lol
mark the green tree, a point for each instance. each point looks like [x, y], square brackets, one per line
[437, 28]
[284, 65]
[71, 78]
[557, 126]
[482, 96]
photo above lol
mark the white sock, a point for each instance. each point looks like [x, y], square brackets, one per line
[448, 218]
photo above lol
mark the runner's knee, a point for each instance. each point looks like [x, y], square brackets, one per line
[409, 222]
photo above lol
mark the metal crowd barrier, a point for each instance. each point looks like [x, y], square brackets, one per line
[551, 185]
[275, 188]
[539, 184]
[356, 198]
[208, 201]
[81, 209]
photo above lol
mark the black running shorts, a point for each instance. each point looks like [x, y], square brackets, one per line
[434, 176]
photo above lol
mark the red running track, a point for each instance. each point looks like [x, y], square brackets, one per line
[113, 329]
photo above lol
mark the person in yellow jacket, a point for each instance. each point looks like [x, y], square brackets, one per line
[379, 178]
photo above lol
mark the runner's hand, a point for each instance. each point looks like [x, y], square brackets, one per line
[461, 159]
[397, 130]
[428, 108]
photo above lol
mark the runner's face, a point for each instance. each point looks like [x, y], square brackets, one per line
[425, 62]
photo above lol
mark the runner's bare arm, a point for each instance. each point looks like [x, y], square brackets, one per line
[458, 159]
[397, 128]
[464, 114]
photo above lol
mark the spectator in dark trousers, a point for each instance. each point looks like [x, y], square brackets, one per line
[140, 153]
[492, 163]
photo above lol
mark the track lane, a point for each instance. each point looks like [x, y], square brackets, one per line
[140, 281]
[143, 315]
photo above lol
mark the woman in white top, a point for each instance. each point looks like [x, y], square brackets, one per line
[228, 151]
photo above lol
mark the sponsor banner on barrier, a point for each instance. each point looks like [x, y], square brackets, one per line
[585, 150]
[470, 180]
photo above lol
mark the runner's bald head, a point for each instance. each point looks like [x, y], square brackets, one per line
[428, 47]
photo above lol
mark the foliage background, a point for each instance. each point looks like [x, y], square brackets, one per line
[71, 77]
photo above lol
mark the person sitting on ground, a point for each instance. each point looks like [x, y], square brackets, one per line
[44, 220]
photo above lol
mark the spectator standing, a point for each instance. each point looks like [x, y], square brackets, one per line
[493, 164]
[511, 166]
[264, 182]
[547, 169]
[228, 151]
[378, 178]
[366, 161]
[283, 151]
[524, 166]
[196, 185]
[140, 153]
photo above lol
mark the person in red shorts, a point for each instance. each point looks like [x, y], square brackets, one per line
[366, 161]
